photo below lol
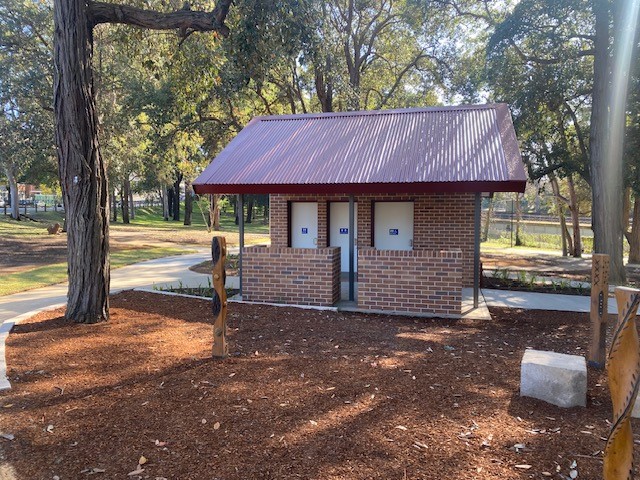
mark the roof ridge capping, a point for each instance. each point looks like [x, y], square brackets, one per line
[393, 111]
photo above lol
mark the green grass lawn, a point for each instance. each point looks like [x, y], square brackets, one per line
[27, 227]
[57, 273]
[538, 241]
[152, 217]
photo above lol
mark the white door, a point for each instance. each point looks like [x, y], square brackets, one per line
[339, 232]
[393, 225]
[304, 224]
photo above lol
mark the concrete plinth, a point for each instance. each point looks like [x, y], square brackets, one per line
[554, 377]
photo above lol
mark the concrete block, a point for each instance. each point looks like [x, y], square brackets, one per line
[554, 377]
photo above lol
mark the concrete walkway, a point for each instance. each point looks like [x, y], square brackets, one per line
[174, 271]
[541, 301]
[159, 272]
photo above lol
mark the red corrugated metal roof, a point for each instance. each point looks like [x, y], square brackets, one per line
[455, 149]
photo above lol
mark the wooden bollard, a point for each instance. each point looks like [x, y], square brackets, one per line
[599, 307]
[219, 255]
[623, 370]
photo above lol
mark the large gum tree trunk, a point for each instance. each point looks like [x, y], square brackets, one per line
[606, 173]
[82, 172]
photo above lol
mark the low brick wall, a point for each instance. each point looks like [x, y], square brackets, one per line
[417, 281]
[303, 276]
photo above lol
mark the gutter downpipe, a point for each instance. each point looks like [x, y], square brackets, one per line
[351, 249]
[476, 250]
[240, 211]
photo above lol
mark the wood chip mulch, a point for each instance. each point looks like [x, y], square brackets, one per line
[305, 394]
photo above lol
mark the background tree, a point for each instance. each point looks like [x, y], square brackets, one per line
[26, 121]
[555, 36]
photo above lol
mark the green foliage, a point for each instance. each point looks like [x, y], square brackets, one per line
[26, 122]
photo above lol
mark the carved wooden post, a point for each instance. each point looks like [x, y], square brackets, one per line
[219, 254]
[599, 306]
[623, 369]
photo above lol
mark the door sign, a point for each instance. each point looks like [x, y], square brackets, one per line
[393, 231]
[305, 230]
[344, 231]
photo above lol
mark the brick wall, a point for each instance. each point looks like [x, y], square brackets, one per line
[418, 281]
[441, 222]
[303, 276]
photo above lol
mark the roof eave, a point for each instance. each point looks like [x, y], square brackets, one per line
[363, 188]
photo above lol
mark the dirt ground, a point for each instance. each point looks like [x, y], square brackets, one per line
[553, 265]
[305, 394]
[24, 253]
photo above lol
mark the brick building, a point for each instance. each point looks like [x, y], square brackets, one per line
[377, 211]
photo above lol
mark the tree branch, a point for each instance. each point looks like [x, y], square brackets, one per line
[183, 20]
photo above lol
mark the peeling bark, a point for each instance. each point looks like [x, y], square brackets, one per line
[184, 20]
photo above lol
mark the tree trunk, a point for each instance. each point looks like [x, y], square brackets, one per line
[250, 203]
[170, 202]
[114, 206]
[165, 203]
[82, 171]
[13, 194]
[567, 245]
[265, 220]
[606, 174]
[574, 208]
[487, 221]
[518, 219]
[188, 202]
[634, 236]
[176, 199]
[214, 212]
[132, 209]
[235, 209]
[124, 199]
[324, 87]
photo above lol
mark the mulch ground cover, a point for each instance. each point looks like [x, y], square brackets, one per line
[305, 394]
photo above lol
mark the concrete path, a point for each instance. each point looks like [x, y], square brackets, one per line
[541, 301]
[174, 271]
[159, 272]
